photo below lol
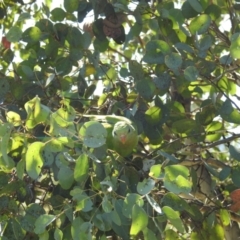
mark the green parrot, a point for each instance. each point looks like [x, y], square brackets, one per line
[122, 135]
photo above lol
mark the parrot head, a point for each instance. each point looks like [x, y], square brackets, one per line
[122, 131]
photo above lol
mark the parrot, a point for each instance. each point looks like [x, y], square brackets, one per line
[122, 135]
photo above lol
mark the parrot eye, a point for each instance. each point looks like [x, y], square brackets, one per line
[129, 130]
[114, 133]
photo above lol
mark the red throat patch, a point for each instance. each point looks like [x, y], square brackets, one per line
[123, 139]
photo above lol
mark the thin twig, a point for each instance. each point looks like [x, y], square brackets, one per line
[226, 140]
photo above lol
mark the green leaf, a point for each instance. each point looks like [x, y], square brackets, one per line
[175, 179]
[4, 87]
[25, 70]
[61, 122]
[175, 202]
[37, 112]
[75, 55]
[227, 86]
[184, 126]
[214, 11]
[154, 134]
[188, 11]
[75, 39]
[13, 118]
[191, 73]
[213, 230]
[102, 99]
[177, 18]
[168, 156]
[234, 152]
[24, 16]
[174, 218]
[118, 207]
[5, 133]
[63, 66]
[103, 221]
[106, 205]
[58, 234]
[180, 185]
[115, 218]
[71, 6]
[224, 173]
[205, 43]
[59, 144]
[131, 200]
[48, 157]
[145, 186]
[44, 235]
[183, 47]
[225, 217]
[146, 89]
[14, 34]
[65, 177]
[206, 116]
[84, 202]
[226, 59]
[8, 55]
[195, 4]
[34, 160]
[139, 220]
[100, 45]
[228, 113]
[163, 81]
[33, 211]
[20, 169]
[173, 61]
[153, 115]
[93, 134]
[235, 176]
[195, 213]
[154, 204]
[63, 115]
[200, 24]
[31, 35]
[75, 228]
[235, 47]
[112, 74]
[213, 128]
[171, 234]
[135, 30]
[90, 90]
[155, 51]
[17, 229]
[136, 70]
[218, 232]
[86, 230]
[42, 222]
[2, 12]
[58, 14]
[81, 170]
[155, 171]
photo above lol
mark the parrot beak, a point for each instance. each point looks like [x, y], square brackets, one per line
[123, 138]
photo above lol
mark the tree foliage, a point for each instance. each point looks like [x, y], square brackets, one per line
[171, 67]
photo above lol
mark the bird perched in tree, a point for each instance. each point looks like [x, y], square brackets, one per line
[122, 135]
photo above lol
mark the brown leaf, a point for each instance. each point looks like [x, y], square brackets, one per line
[112, 27]
[6, 44]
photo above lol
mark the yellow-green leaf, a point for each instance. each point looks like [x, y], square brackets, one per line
[139, 220]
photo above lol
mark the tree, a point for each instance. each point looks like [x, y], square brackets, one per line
[169, 67]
